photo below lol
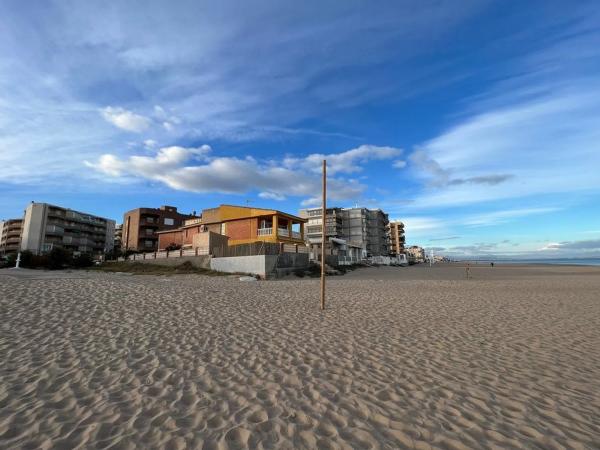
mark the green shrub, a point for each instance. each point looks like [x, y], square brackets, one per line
[172, 246]
[83, 260]
[127, 253]
[59, 258]
[11, 260]
[113, 254]
[26, 259]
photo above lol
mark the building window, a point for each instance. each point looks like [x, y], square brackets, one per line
[149, 243]
[169, 221]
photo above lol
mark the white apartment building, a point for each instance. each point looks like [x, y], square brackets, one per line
[48, 226]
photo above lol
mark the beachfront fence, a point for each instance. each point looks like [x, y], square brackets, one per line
[257, 248]
[251, 249]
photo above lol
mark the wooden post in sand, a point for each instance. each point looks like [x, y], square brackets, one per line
[323, 233]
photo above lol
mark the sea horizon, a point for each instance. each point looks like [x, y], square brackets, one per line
[551, 261]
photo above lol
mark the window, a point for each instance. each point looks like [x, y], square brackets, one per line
[149, 243]
[169, 221]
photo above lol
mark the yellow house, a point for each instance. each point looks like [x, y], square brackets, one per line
[245, 224]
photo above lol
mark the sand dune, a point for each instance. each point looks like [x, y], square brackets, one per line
[109, 361]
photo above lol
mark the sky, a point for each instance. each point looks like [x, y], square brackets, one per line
[476, 123]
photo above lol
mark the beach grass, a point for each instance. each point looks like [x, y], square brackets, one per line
[155, 269]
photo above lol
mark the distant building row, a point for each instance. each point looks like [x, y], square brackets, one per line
[353, 234]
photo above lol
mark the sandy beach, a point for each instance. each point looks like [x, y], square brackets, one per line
[402, 358]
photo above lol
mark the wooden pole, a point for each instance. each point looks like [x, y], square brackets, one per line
[324, 233]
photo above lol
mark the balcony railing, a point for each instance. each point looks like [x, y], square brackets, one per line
[264, 231]
[54, 229]
[283, 232]
[70, 240]
[296, 235]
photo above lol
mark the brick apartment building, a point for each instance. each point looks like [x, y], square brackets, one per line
[397, 238]
[141, 225]
[10, 235]
[241, 224]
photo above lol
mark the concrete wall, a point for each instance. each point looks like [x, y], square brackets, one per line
[265, 266]
[255, 265]
[293, 260]
[209, 240]
[288, 262]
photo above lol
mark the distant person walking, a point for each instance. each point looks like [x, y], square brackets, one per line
[468, 271]
[492, 264]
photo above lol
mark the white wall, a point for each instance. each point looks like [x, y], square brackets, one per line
[240, 264]
[33, 227]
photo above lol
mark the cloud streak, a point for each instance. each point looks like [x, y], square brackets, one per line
[197, 170]
[125, 120]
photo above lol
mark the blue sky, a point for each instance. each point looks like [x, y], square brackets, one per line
[477, 123]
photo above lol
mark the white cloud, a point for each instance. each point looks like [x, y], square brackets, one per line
[150, 143]
[498, 217]
[159, 112]
[272, 196]
[108, 164]
[350, 161]
[541, 145]
[191, 169]
[399, 164]
[126, 120]
[153, 167]
[550, 246]
[417, 224]
[591, 245]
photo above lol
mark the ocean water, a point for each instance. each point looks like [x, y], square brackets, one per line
[558, 261]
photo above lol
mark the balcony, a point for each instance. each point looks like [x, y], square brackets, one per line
[296, 235]
[264, 232]
[149, 222]
[283, 232]
[53, 229]
[56, 213]
[196, 221]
